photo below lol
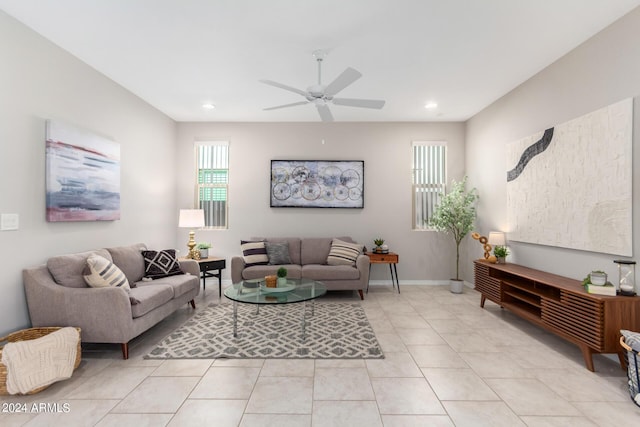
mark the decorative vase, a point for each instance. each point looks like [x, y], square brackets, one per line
[456, 286]
[282, 281]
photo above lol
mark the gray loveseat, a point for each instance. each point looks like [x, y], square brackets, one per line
[309, 260]
[57, 295]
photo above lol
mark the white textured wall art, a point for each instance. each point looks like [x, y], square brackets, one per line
[570, 186]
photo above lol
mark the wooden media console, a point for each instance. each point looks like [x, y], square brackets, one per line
[561, 306]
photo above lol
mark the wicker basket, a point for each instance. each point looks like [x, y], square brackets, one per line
[25, 335]
[633, 371]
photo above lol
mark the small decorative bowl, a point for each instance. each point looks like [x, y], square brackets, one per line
[598, 279]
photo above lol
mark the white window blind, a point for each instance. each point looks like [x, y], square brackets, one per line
[429, 179]
[212, 182]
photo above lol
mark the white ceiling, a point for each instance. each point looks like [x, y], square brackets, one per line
[179, 54]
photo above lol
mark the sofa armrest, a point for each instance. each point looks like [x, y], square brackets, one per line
[362, 264]
[190, 266]
[237, 265]
[97, 311]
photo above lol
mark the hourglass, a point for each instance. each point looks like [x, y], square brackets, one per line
[626, 274]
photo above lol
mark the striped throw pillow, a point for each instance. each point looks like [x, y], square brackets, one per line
[254, 253]
[101, 273]
[343, 253]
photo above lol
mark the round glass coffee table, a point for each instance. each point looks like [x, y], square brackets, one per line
[256, 292]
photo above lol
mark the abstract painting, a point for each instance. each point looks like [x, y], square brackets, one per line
[82, 175]
[317, 183]
[570, 186]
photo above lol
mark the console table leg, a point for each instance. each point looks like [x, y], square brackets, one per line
[588, 357]
[623, 360]
[482, 300]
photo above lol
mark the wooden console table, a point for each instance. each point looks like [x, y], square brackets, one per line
[561, 306]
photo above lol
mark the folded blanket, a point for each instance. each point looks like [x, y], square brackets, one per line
[36, 363]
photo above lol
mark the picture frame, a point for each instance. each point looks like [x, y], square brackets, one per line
[317, 184]
[82, 175]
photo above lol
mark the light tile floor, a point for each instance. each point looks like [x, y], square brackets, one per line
[448, 363]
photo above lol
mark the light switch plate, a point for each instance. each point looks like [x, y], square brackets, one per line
[9, 222]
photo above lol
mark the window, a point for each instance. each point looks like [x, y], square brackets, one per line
[429, 180]
[212, 188]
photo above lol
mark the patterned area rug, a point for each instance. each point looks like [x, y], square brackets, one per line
[333, 331]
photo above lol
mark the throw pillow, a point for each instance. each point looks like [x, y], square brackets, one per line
[254, 253]
[101, 273]
[159, 264]
[343, 253]
[278, 253]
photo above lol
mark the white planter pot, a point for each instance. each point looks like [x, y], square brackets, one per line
[282, 281]
[456, 286]
[204, 253]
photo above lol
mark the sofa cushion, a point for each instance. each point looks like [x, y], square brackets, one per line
[278, 252]
[330, 272]
[99, 272]
[343, 253]
[129, 259]
[149, 298]
[67, 270]
[159, 264]
[254, 252]
[259, 271]
[180, 284]
[314, 250]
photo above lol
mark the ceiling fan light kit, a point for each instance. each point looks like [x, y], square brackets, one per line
[322, 95]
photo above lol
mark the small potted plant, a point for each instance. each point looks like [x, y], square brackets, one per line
[501, 253]
[204, 249]
[379, 241]
[282, 276]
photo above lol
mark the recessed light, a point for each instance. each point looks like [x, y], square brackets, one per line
[431, 105]
[208, 106]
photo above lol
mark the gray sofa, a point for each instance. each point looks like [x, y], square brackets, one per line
[309, 260]
[58, 296]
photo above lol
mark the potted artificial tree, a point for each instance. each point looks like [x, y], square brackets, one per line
[455, 214]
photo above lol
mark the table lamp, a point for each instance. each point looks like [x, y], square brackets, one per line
[496, 238]
[191, 218]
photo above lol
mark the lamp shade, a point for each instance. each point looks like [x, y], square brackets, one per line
[496, 238]
[191, 218]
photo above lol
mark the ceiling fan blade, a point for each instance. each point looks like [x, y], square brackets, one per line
[347, 77]
[325, 113]
[285, 87]
[286, 105]
[364, 103]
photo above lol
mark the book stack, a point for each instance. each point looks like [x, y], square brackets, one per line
[601, 290]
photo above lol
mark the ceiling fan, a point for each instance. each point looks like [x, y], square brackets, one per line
[322, 95]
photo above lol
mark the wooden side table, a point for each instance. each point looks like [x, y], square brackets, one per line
[212, 267]
[392, 259]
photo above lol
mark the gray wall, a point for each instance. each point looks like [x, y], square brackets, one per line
[39, 81]
[603, 70]
[386, 151]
